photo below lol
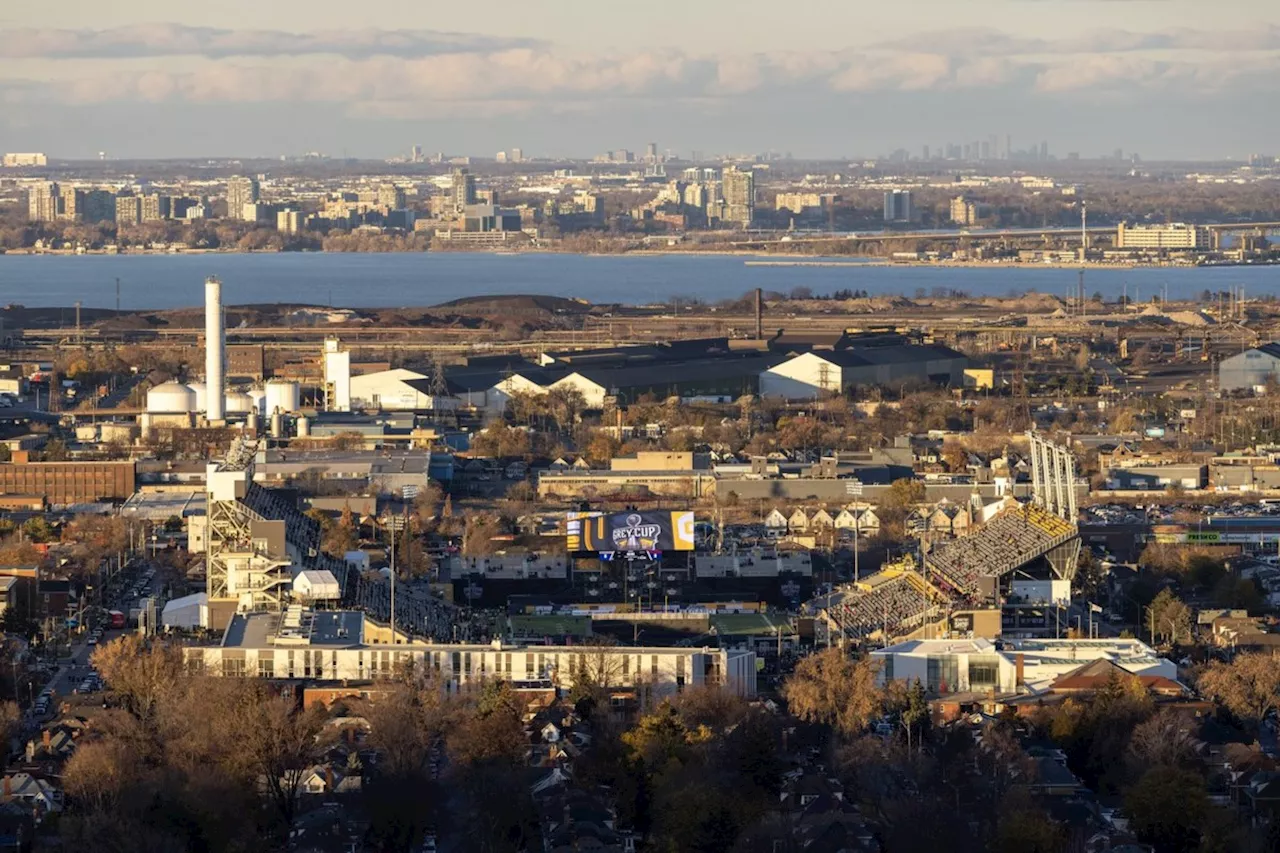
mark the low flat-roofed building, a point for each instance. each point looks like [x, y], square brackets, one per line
[8, 590]
[161, 504]
[1010, 666]
[385, 472]
[1146, 477]
[682, 484]
[1175, 235]
[63, 483]
[337, 645]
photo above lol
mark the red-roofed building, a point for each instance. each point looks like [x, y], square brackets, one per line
[1093, 676]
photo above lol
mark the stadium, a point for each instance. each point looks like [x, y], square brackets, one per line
[978, 579]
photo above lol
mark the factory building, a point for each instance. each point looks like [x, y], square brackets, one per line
[67, 483]
[1251, 369]
[837, 371]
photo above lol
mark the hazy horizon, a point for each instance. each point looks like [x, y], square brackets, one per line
[1168, 79]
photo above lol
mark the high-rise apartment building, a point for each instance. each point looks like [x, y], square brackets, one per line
[290, 221]
[128, 210]
[415, 154]
[179, 205]
[391, 197]
[71, 204]
[241, 191]
[739, 188]
[464, 190]
[155, 207]
[98, 206]
[517, 155]
[43, 202]
[964, 211]
[897, 206]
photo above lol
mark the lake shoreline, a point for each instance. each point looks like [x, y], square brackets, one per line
[768, 259]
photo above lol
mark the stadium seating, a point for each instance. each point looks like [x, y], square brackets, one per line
[891, 600]
[1012, 539]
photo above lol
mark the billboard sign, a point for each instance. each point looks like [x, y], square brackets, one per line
[631, 531]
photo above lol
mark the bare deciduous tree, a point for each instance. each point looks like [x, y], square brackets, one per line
[831, 687]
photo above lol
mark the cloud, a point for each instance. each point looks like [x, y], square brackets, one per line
[986, 41]
[407, 75]
[158, 40]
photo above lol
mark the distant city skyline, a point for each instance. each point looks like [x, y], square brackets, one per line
[1172, 79]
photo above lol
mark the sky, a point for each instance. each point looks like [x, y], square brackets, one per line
[816, 78]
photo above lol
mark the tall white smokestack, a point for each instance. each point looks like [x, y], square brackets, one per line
[214, 346]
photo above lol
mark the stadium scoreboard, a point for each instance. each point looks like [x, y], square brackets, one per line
[632, 533]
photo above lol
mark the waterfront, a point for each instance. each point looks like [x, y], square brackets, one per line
[382, 280]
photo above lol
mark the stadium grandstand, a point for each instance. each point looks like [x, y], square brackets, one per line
[890, 602]
[1011, 540]
[1035, 539]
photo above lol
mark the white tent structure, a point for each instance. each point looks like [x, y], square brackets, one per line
[190, 611]
[314, 585]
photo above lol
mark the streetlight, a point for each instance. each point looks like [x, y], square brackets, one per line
[393, 523]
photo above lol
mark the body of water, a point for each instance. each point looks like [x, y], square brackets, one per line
[383, 280]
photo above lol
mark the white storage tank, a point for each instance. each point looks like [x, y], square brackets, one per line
[304, 427]
[282, 396]
[238, 403]
[202, 396]
[259, 398]
[122, 432]
[171, 397]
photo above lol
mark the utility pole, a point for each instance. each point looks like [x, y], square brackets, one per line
[117, 297]
[391, 527]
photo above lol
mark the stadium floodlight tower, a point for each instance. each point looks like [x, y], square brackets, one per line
[1053, 477]
[1053, 483]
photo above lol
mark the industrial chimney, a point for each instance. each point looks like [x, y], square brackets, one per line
[759, 314]
[214, 346]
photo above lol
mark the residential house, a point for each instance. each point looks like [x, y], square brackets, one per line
[38, 794]
[775, 520]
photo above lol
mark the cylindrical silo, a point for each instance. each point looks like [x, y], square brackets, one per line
[283, 396]
[213, 347]
[238, 403]
[304, 427]
[259, 398]
[277, 425]
[171, 397]
[251, 422]
[201, 392]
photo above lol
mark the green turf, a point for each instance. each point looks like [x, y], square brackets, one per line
[750, 623]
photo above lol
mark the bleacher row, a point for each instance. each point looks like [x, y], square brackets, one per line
[1012, 539]
[896, 599]
[270, 505]
[301, 531]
